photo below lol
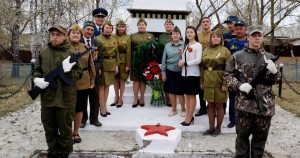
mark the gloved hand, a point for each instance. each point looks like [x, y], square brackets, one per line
[271, 66]
[67, 66]
[245, 87]
[41, 83]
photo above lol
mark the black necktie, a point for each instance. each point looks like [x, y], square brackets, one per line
[88, 43]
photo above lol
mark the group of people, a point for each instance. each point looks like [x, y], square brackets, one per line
[208, 64]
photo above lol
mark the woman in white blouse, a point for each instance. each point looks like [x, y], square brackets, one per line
[191, 58]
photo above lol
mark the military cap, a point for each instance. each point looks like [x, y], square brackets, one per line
[169, 21]
[74, 27]
[142, 20]
[231, 18]
[107, 22]
[176, 29]
[240, 22]
[88, 23]
[59, 28]
[100, 12]
[121, 22]
[255, 28]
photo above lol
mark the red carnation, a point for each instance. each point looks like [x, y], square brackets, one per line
[152, 63]
[145, 69]
[149, 77]
[155, 69]
[190, 49]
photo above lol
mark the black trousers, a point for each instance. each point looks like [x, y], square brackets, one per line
[251, 124]
[94, 106]
[203, 106]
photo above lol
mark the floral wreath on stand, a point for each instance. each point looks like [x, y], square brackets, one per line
[146, 65]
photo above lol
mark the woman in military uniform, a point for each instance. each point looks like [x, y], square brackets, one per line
[110, 65]
[87, 80]
[124, 47]
[213, 65]
[137, 39]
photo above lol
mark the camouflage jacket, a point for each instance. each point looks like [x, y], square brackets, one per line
[242, 68]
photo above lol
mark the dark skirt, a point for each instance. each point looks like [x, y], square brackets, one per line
[81, 100]
[191, 85]
[173, 83]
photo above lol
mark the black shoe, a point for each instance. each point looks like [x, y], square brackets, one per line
[63, 155]
[201, 112]
[108, 113]
[135, 105]
[118, 106]
[208, 132]
[230, 125]
[113, 104]
[142, 105]
[169, 105]
[103, 115]
[187, 124]
[52, 155]
[82, 125]
[96, 123]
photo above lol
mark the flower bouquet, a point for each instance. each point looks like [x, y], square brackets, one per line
[152, 73]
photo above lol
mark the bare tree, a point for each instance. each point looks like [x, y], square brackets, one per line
[15, 38]
[207, 9]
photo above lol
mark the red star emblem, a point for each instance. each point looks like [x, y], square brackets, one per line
[159, 129]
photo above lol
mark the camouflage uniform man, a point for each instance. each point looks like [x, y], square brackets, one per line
[253, 113]
[166, 38]
[235, 45]
[58, 105]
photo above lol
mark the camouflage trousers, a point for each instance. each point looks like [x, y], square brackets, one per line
[57, 124]
[247, 124]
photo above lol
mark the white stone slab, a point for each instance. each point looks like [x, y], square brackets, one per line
[157, 143]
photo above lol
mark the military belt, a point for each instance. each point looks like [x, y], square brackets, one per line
[219, 68]
[109, 57]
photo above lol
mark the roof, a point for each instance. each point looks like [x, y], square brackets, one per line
[160, 4]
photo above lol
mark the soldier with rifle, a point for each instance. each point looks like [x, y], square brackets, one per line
[57, 103]
[253, 114]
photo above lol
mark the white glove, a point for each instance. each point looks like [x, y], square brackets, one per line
[245, 87]
[67, 66]
[41, 83]
[271, 66]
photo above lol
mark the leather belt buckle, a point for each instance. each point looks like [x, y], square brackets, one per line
[209, 69]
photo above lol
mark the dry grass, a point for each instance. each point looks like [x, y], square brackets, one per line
[20, 100]
[289, 100]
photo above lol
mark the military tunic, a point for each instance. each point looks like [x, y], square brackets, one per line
[227, 36]
[204, 38]
[110, 59]
[57, 105]
[124, 47]
[235, 45]
[165, 37]
[138, 39]
[87, 63]
[213, 64]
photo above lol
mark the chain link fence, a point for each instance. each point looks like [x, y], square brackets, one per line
[14, 75]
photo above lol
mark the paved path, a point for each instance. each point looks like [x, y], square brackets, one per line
[22, 134]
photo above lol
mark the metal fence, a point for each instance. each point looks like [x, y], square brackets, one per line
[21, 73]
[291, 71]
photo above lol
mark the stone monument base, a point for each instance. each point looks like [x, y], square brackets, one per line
[157, 143]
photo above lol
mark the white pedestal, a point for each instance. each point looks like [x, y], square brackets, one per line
[157, 143]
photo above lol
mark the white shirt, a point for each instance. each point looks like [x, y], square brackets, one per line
[86, 42]
[193, 59]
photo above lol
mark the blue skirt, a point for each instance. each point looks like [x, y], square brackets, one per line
[173, 84]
